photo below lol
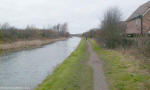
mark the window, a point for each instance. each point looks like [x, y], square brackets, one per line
[136, 22]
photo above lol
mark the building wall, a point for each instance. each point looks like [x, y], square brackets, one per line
[146, 22]
[134, 27]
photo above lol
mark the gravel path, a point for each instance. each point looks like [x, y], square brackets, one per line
[98, 73]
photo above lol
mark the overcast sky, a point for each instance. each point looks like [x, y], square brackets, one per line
[81, 15]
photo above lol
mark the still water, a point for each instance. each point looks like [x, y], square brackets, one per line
[28, 68]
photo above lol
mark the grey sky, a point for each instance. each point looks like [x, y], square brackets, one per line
[81, 15]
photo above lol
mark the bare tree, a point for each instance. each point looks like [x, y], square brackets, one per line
[112, 32]
[5, 26]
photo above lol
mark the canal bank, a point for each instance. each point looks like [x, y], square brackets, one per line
[73, 74]
[26, 44]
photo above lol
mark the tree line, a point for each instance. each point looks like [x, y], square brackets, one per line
[11, 33]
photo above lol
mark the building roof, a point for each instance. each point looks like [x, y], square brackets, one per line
[140, 11]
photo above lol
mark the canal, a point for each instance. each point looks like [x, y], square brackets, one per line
[28, 68]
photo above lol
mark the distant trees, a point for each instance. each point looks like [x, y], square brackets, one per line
[62, 29]
[5, 26]
[9, 33]
[91, 33]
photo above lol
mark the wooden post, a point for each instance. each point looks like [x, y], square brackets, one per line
[141, 17]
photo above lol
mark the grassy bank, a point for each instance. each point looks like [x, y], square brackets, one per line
[26, 44]
[122, 72]
[72, 74]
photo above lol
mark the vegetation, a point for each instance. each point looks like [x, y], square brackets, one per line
[111, 32]
[111, 28]
[72, 74]
[9, 33]
[122, 72]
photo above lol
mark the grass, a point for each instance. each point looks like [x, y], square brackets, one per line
[121, 72]
[72, 74]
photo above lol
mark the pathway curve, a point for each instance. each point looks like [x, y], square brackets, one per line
[98, 73]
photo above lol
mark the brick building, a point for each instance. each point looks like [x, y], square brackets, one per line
[139, 21]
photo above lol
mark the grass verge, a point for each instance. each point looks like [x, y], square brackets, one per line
[121, 72]
[26, 44]
[72, 74]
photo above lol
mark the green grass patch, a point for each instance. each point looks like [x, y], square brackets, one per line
[121, 72]
[72, 74]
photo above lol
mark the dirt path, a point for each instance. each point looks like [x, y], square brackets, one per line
[98, 73]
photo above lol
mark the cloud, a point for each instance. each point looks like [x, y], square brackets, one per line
[81, 15]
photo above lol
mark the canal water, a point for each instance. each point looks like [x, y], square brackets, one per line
[27, 68]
